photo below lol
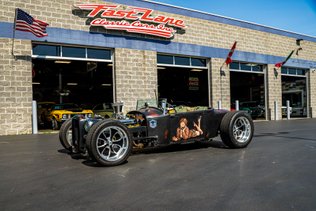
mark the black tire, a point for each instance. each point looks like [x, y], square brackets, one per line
[64, 134]
[109, 142]
[54, 123]
[243, 126]
[89, 137]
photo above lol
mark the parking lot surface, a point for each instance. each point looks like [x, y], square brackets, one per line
[276, 172]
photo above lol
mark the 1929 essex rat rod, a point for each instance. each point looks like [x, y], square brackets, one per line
[110, 141]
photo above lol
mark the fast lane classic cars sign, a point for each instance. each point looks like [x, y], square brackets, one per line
[133, 20]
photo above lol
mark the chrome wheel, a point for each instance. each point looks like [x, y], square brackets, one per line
[112, 143]
[69, 136]
[242, 129]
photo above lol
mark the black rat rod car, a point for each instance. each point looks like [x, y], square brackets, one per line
[110, 141]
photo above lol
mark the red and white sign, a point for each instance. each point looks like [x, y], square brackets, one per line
[133, 19]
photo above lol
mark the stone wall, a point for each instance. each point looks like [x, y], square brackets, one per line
[312, 91]
[135, 76]
[15, 87]
[220, 85]
[274, 89]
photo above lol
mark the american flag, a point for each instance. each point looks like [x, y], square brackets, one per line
[25, 22]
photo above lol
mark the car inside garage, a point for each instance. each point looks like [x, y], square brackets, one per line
[70, 80]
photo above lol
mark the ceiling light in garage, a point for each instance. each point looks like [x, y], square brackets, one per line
[62, 62]
[72, 84]
[110, 65]
[196, 70]
[161, 68]
[106, 84]
[36, 83]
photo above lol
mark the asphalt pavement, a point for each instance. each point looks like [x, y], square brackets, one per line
[277, 171]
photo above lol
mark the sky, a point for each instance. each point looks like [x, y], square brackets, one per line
[291, 15]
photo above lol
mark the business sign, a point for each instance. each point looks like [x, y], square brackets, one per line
[194, 83]
[133, 20]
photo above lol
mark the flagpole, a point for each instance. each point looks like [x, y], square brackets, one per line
[14, 25]
[227, 61]
[221, 73]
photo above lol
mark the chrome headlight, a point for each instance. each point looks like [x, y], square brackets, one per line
[65, 116]
[89, 115]
[87, 125]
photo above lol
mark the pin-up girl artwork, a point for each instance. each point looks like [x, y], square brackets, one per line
[183, 131]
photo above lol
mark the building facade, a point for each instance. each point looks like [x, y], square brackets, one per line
[119, 50]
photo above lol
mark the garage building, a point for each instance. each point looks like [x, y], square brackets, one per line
[102, 52]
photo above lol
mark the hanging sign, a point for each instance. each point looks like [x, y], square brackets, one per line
[133, 20]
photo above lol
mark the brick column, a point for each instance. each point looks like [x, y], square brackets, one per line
[15, 87]
[135, 76]
[312, 91]
[220, 85]
[274, 88]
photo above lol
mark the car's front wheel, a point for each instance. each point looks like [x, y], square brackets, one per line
[109, 143]
[236, 129]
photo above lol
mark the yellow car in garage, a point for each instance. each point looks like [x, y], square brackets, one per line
[62, 112]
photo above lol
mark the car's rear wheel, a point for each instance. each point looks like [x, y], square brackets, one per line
[236, 129]
[109, 143]
[65, 134]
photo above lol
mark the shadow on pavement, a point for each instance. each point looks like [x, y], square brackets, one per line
[162, 149]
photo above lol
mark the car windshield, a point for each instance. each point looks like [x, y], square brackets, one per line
[64, 106]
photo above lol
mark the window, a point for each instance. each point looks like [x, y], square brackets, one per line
[245, 67]
[284, 70]
[58, 51]
[293, 71]
[300, 72]
[164, 59]
[198, 62]
[46, 50]
[257, 68]
[182, 61]
[98, 53]
[251, 67]
[74, 52]
[234, 65]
